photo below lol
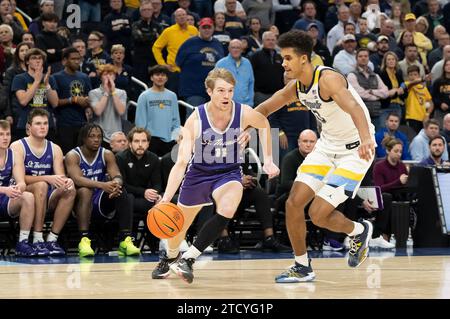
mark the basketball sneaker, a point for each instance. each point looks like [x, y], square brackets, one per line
[359, 245]
[127, 248]
[54, 248]
[331, 244]
[296, 273]
[41, 249]
[183, 268]
[162, 269]
[25, 249]
[84, 247]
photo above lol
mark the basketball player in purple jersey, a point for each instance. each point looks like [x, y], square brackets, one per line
[46, 180]
[97, 196]
[14, 200]
[210, 151]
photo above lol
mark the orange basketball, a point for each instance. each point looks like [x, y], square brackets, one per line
[165, 220]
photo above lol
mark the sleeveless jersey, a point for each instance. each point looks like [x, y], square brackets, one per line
[216, 150]
[95, 170]
[337, 126]
[6, 171]
[38, 165]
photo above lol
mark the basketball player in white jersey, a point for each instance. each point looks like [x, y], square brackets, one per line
[333, 171]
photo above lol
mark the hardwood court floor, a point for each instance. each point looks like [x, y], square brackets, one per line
[393, 277]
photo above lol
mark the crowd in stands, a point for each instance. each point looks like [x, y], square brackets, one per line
[395, 53]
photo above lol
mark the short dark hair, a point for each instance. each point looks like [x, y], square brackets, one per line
[362, 50]
[440, 137]
[413, 68]
[138, 130]
[410, 45]
[68, 51]
[86, 130]
[16, 58]
[300, 41]
[431, 122]
[393, 114]
[49, 16]
[37, 112]
[158, 69]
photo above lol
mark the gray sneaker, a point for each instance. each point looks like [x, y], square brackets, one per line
[296, 273]
[359, 245]
[162, 269]
[183, 268]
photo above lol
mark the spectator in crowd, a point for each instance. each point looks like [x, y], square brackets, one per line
[186, 4]
[286, 13]
[157, 111]
[419, 104]
[124, 71]
[234, 22]
[131, 6]
[7, 17]
[17, 15]
[406, 38]
[220, 34]
[254, 36]
[95, 54]
[119, 142]
[438, 68]
[437, 32]
[319, 48]
[34, 89]
[267, 69]
[441, 93]
[9, 107]
[411, 58]
[7, 48]
[331, 18]
[387, 29]
[422, 25]
[397, 18]
[419, 146]
[345, 60]
[46, 180]
[262, 9]
[369, 86]
[365, 37]
[16, 201]
[90, 10]
[50, 42]
[391, 129]
[392, 77]
[45, 6]
[438, 53]
[423, 44]
[377, 57]
[241, 68]
[171, 39]
[437, 147]
[73, 87]
[117, 26]
[309, 16]
[434, 16]
[142, 179]
[446, 130]
[220, 6]
[98, 197]
[28, 37]
[158, 16]
[196, 57]
[349, 28]
[337, 32]
[86, 67]
[144, 34]
[108, 103]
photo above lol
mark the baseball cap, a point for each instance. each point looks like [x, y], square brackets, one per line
[206, 21]
[382, 37]
[312, 25]
[410, 16]
[348, 37]
[45, 1]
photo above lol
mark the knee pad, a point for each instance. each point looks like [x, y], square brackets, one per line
[333, 195]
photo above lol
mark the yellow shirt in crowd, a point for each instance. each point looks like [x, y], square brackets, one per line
[418, 95]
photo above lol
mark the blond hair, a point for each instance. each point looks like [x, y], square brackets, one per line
[117, 47]
[218, 73]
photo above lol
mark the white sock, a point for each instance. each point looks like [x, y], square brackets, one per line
[192, 252]
[359, 228]
[302, 260]
[24, 235]
[37, 237]
[52, 237]
[172, 253]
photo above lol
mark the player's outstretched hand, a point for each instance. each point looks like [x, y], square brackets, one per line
[366, 150]
[271, 169]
